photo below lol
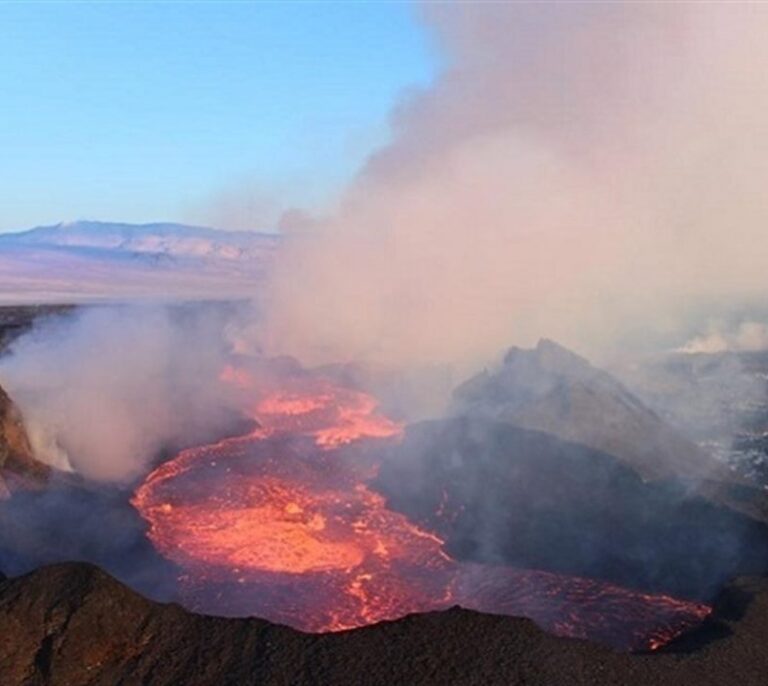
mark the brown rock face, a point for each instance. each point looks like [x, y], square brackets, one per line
[18, 466]
[73, 625]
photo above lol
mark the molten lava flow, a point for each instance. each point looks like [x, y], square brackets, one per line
[333, 416]
[280, 523]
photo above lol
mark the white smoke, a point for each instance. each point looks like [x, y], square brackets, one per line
[104, 390]
[576, 168]
[748, 336]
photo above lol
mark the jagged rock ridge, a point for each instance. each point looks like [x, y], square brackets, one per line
[553, 390]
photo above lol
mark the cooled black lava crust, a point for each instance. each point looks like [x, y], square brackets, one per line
[502, 494]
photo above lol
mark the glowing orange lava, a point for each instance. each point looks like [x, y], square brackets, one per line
[333, 416]
[280, 523]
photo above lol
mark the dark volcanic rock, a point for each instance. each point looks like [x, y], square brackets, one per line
[553, 390]
[73, 625]
[505, 495]
[79, 521]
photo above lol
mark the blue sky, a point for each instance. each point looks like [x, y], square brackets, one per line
[155, 111]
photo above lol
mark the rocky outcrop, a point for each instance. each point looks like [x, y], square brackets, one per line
[552, 464]
[553, 390]
[18, 466]
[73, 625]
[497, 493]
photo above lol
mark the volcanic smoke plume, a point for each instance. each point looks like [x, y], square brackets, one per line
[584, 171]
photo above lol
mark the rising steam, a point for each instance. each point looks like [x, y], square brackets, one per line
[748, 336]
[574, 168]
[104, 390]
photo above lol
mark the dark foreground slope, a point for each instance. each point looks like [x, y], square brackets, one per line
[72, 625]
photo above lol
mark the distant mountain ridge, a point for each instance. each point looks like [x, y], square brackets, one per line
[161, 238]
[91, 260]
